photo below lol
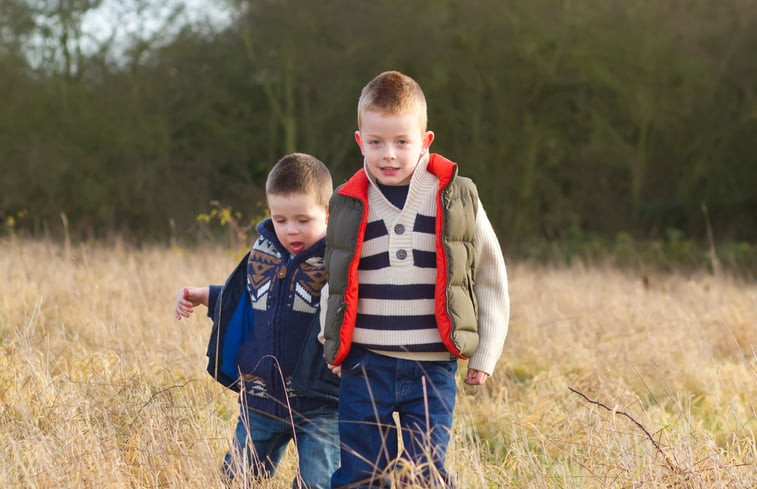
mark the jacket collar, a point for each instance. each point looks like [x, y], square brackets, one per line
[265, 229]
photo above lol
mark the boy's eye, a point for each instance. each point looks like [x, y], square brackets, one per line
[303, 220]
[402, 141]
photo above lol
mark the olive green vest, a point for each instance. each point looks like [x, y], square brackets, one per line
[456, 309]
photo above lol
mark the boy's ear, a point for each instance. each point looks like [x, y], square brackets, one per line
[359, 141]
[427, 139]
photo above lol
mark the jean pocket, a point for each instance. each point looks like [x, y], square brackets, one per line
[445, 369]
[355, 362]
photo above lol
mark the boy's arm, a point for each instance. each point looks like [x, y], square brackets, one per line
[492, 296]
[335, 369]
[213, 292]
[322, 311]
[189, 297]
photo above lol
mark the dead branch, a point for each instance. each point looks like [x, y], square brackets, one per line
[673, 468]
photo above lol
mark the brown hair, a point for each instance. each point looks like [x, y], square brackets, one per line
[300, 173]
[394, 93]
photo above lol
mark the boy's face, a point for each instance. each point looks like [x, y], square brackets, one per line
[392, 144]
[299, 221]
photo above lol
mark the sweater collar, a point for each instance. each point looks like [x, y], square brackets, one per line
[435, 164]
[420, 182]
[420, 167]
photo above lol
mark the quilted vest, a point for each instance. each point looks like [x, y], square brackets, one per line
[455, 304]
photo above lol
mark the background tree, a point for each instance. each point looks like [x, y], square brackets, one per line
[588, 117]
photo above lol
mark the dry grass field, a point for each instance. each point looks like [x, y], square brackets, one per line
[607, 380]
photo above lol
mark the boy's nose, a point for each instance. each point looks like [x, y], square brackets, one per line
[389, 153]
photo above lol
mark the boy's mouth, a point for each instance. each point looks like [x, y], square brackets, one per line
[296, 247]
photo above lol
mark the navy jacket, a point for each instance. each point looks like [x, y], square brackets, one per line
[285, 343]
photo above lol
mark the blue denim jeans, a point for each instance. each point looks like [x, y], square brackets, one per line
[372, 388]
[260, 442]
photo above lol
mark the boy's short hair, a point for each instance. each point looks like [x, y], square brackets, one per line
[300, 173]
[394, 93]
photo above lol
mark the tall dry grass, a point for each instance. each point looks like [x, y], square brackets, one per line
[101, 387]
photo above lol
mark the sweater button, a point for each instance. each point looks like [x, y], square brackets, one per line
[401, 254]
[399, 229]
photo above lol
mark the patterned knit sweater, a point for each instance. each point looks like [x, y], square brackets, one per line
[284, 291]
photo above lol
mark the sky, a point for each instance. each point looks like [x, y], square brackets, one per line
[116, 24]
[123, 20]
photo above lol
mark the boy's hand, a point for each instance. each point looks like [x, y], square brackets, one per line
[476, 377]
[187, 298]
[335, 369]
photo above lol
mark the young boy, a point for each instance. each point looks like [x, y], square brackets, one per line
[416, 280]
[266, 326]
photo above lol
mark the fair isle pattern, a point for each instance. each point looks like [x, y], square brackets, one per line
[307, 289]
[261, 268]
[255, 386]
[264, 263]
[397, 274]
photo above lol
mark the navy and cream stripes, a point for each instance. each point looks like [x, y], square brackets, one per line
[397, 274]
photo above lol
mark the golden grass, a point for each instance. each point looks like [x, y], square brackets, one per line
[101, 387]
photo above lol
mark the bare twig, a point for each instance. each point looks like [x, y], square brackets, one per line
[673, 468]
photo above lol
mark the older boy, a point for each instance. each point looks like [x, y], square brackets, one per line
[265, 329]
[416, 279]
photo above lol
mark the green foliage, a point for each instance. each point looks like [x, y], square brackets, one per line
[12, 222]
[741, 256]
[674, 252]
[240, 230]
[587, 125]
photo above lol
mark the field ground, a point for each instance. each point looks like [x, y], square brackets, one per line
[609, 379]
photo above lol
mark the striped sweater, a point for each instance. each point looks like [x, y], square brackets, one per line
[397, 275]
